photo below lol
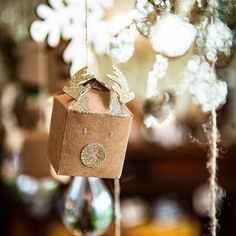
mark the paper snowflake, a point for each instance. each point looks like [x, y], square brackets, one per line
[66, 19]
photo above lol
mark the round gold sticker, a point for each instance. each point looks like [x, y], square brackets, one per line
[93, 155]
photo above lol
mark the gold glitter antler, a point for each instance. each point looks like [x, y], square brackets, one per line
[77, 88]
[81, 77]
[118, 83]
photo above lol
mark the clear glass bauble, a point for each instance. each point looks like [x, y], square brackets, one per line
[88, 207]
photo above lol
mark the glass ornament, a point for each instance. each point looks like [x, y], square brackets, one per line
[88, 207]
[146, 13]
[35, 195]
[159, 107]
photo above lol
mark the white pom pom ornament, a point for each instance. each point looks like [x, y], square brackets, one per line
[172, 36]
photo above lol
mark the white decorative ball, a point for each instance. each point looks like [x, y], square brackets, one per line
[172, 35]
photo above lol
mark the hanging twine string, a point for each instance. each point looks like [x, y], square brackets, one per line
[212, 163]
[117, 190]
[86, 31]
[212, 166]
[117, 207]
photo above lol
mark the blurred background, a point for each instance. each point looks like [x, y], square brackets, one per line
[164, 183]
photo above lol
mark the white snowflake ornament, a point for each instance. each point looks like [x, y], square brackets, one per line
[66, 19]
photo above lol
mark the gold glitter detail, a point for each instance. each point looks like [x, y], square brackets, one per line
[118, 83]
[82, 105]
[77, 91]
[81, 77]
[93, 155]
[115, 106]
[77, 87]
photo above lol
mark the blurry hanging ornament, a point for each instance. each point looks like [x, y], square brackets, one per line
[192, 10]
[144, 16]
[37, 195]
[122, 45]
[146, 12]
[32, 66]
[157, 73]
[161, 123]
[216, 41]
[202, 82]
[161, 6]
[42, 66]
[184, 8]
[226, 11]
[158, 108]
[26, 172]
[202, 199]
[28, 108]
[135, 212]
[172, 36]
[66, 19]
[170, 133]
[33, 156]
[198, 12]
[88, 207]
[90, 126]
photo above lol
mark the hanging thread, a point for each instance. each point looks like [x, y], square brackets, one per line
[212, 163]
[212, 166]
[117, 207]
[86, 31]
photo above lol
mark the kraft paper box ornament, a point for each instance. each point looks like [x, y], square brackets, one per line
[33, 157]
[33, 64]
[90, 126]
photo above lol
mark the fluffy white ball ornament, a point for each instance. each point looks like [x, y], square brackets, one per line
[172, 35]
